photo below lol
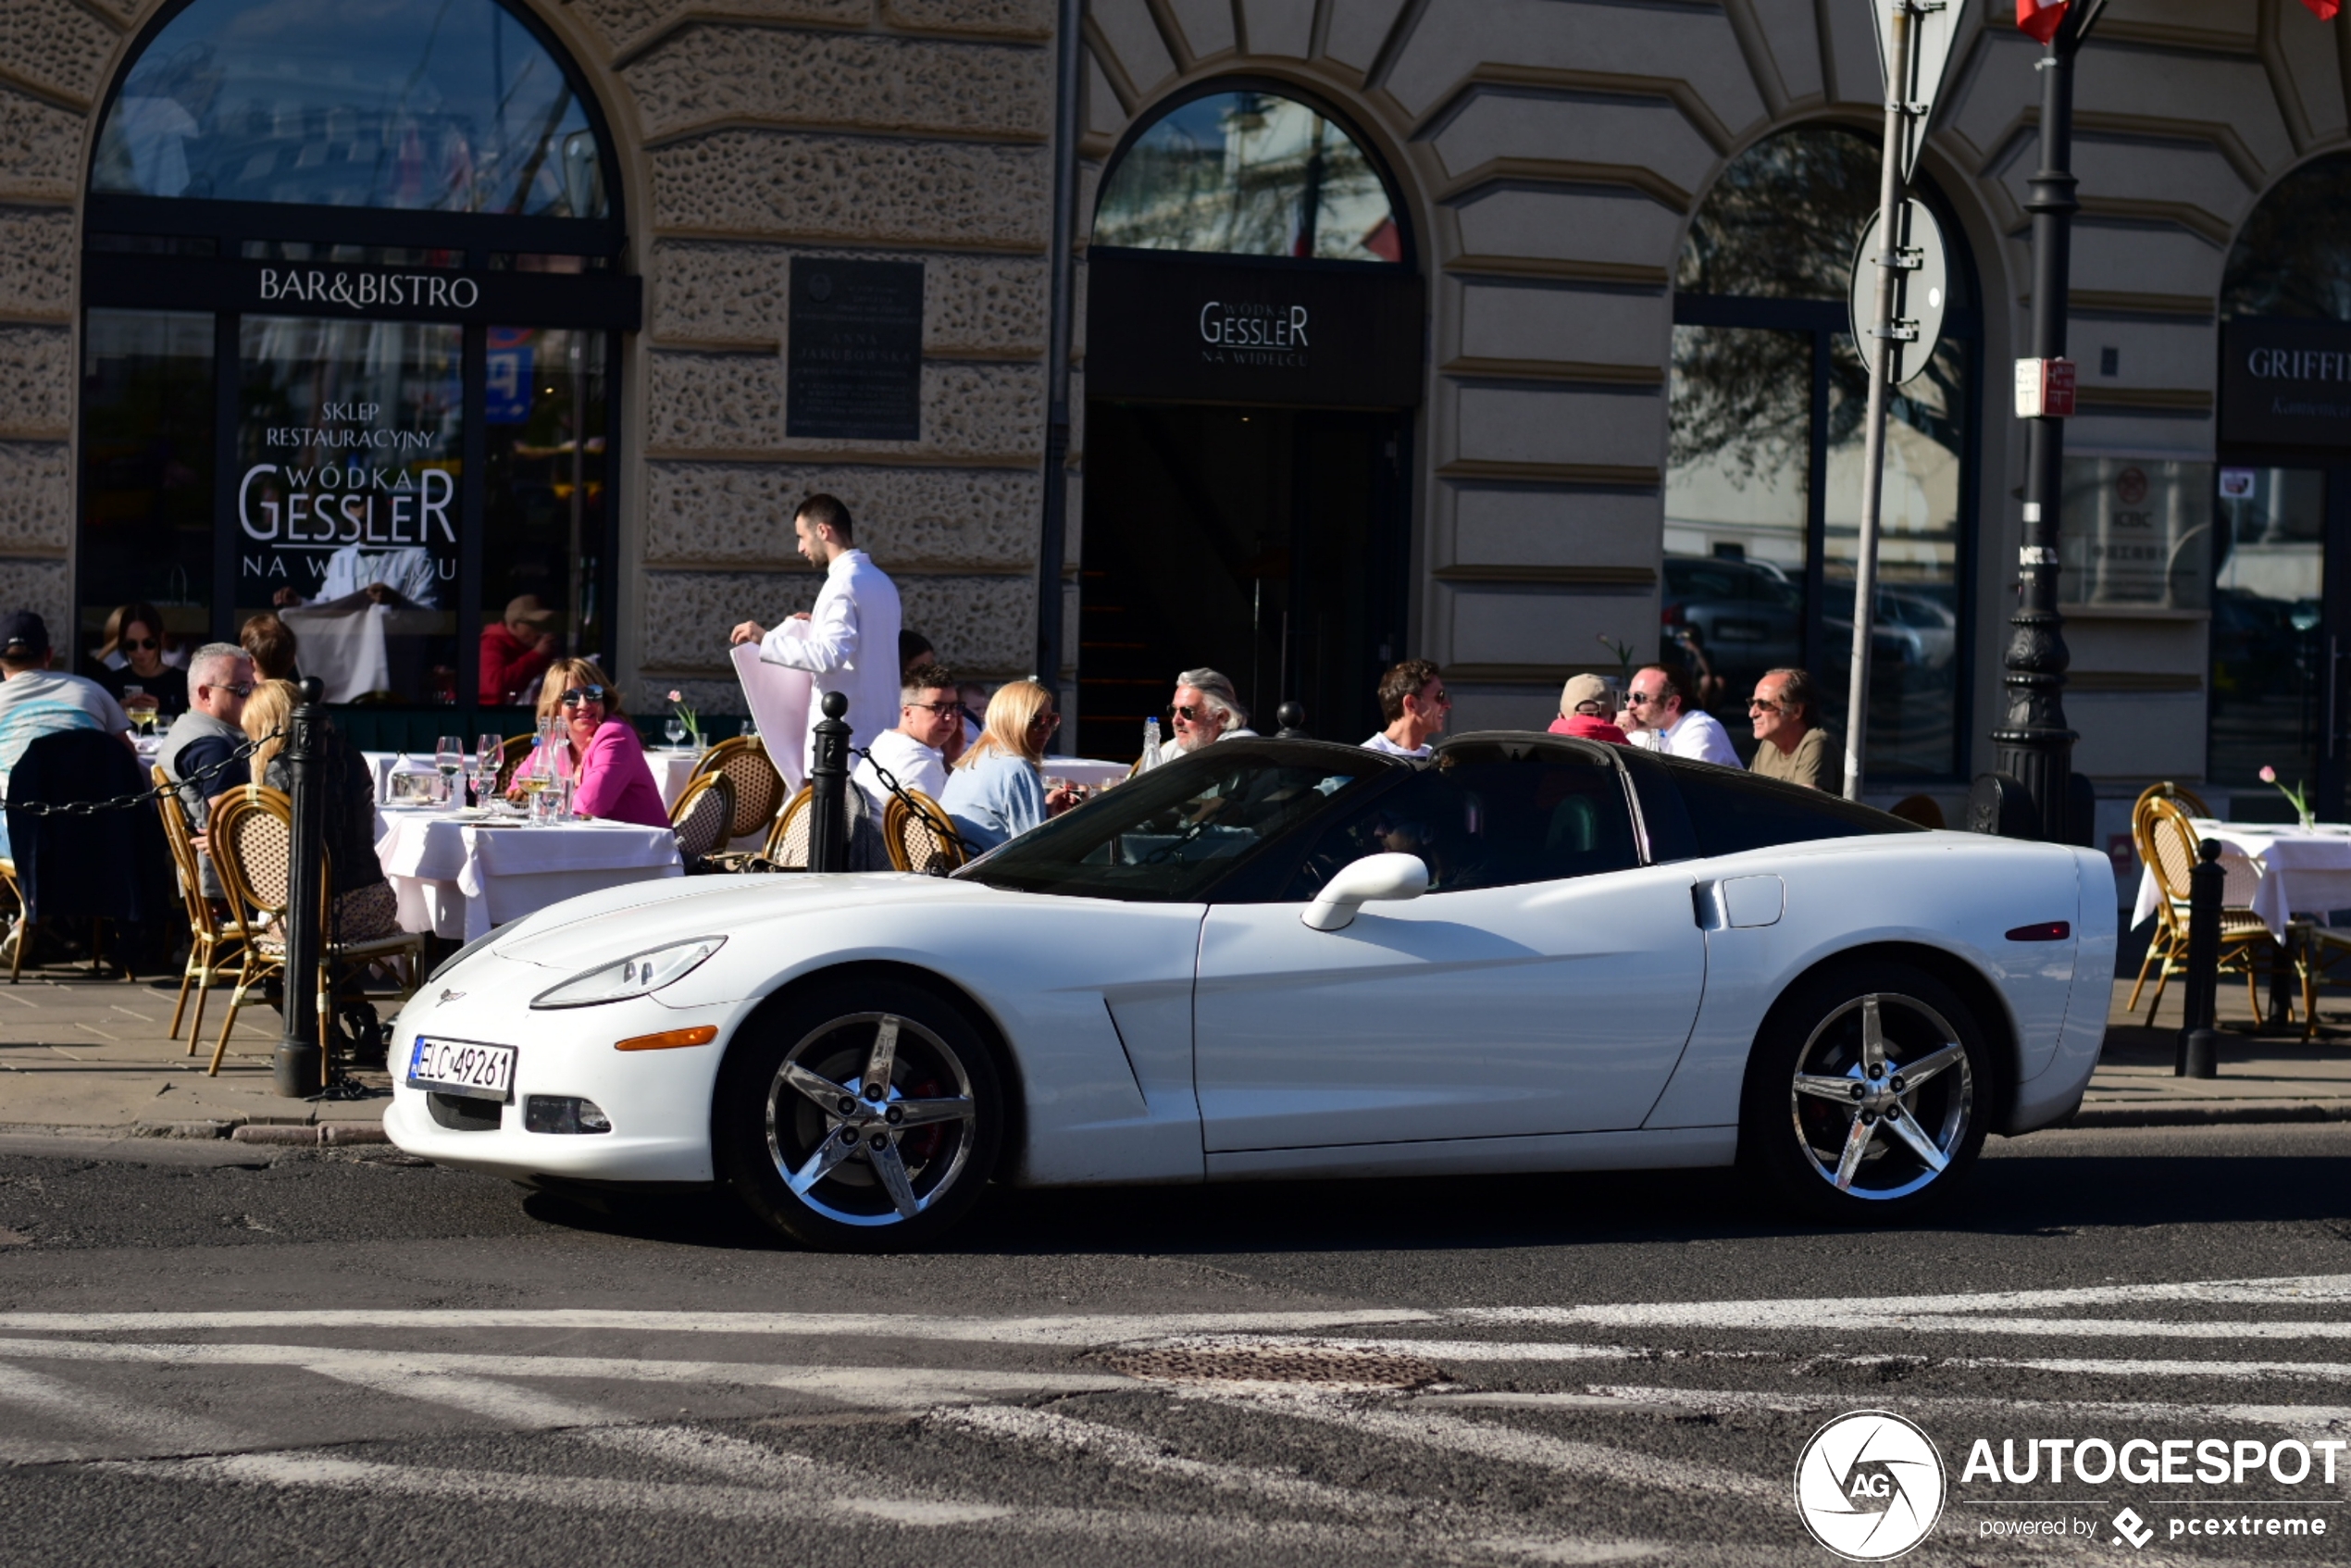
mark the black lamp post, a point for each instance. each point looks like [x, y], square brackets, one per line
[2036, 746]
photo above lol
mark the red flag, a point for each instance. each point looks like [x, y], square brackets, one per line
[2040, 17]
[2324, 9]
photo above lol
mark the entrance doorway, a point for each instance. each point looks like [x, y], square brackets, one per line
[1266, 542]
[2280, 629]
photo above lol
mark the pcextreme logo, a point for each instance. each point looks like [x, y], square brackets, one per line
[1869, 1486]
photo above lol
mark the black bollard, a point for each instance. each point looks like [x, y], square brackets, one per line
[299, 1068]
[2199, 1042]
[829, 784]
[1292, 719]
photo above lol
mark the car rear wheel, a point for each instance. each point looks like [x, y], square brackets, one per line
[864, 1118]
[1869, 1092]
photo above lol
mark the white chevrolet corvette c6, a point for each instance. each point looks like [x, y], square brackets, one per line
[1293, 959]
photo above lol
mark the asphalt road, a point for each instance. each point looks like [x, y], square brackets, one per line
[215, 1354]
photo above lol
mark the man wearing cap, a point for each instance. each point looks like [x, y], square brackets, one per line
[516, 651]
[37, 700]
[1583, 710]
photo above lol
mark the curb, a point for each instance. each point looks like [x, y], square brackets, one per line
[2203, 1112]
[331, 1135]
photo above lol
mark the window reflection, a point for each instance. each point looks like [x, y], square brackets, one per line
[1737, 504]
[544, 407]
[349, 443]
[2293, 257]
[443, 106]
[2268, 680]
[1248, 174]
[1914, 637]
[146, 473]
[1781, 222]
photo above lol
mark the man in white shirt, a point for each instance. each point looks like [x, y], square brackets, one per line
[1656, 717]
[37, 700]
[914, 752]
[404, 577]
[850, 642]
[1413, 701]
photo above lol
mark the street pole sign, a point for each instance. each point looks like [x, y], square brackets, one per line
[1914, 50]
[1935, 27]
[1921, 294]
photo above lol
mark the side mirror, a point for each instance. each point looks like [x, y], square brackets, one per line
[1357, 884]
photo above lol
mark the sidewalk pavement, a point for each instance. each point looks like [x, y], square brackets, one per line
[84, 1053]
[90, 1054]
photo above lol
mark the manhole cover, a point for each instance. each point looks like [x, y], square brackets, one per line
[1312, 1365]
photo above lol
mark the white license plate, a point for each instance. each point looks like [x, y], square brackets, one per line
[463, 1068]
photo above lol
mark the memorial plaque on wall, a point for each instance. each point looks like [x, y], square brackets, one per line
[1200, 328]
[854, 369]
[2285, 383]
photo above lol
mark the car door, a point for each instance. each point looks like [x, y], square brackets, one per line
[1546, 983]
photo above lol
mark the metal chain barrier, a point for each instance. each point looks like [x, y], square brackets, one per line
[938, 820]
[145, 797]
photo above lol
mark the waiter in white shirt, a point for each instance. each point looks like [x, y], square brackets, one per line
[850, 642]
[1655, 718]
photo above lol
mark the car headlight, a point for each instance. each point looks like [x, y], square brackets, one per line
[637, 975]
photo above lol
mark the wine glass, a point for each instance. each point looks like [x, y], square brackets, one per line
[676, 731]
[448, 755]
[489, 752]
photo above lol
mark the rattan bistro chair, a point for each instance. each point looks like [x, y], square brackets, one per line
[212, 941]
[759, 788]
[787, 846]
[705, 811]
[920, 837]
[2180, 795]
[252, 838]
[2167, 842]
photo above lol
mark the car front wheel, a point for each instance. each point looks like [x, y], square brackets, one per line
[1868, 1093]
[865, 1117]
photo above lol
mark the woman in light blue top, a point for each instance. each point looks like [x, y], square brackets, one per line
[996, 790]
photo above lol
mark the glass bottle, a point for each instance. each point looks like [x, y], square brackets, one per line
[1150, 745]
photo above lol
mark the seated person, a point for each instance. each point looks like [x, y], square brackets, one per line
[200, 754]
[597, 749]
[37, 700]
[1790, 741]
[363, 907]
[997, 789]
[929, 718]
[516, 651]
[273, 646]
[133, 656]
[1584, 709]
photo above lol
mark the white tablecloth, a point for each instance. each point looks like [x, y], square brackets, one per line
[2278, 871]
[672, 771]
[1085, 770]
[458, 878]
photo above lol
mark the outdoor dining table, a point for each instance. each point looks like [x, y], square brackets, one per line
[458, 874]
[672, 770]
[2276, 870]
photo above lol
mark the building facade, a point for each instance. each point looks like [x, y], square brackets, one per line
[1509, 333]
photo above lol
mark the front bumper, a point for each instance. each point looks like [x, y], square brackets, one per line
[658, 1100]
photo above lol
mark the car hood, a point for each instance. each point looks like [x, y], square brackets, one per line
[602, 927]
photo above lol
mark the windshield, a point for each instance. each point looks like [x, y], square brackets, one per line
[1172, 834]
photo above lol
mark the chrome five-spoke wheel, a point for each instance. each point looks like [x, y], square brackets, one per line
[867, 1116]
[1870, 1091]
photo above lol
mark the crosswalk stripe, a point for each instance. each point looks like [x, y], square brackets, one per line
[1080, 1331]
[1650, 1399]
[885, 1387]
[151, 1427]
[1594, 1462]
[509, 1404]
[2319, 1289]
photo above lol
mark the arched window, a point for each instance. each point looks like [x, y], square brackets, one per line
[351, 317]
[1764, 478]
[1249, 173]
[2293, 257]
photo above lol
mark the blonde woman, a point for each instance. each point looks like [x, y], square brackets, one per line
[997, 787]
[365, 906]
[598, 748]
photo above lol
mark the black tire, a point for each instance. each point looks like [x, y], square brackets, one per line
[771, 1124]
[1795, 1131]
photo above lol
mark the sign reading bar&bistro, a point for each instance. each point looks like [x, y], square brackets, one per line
[1204, 329]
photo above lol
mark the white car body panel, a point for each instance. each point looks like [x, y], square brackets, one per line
[1659, 977]
[1549, 1007]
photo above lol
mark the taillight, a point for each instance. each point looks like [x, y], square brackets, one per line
[2049, 931]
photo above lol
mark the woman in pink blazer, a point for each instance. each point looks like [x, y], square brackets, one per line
[600, 750]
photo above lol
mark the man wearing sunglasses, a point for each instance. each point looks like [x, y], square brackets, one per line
[220, 679]
[1206, 709]
[1413, 701]
[850, 642]
[1658, 717]
[1790, 741]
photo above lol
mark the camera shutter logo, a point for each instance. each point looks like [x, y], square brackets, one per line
[1869, 1486]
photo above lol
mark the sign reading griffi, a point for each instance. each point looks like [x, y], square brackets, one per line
[1242, 329]
[2285, 383]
